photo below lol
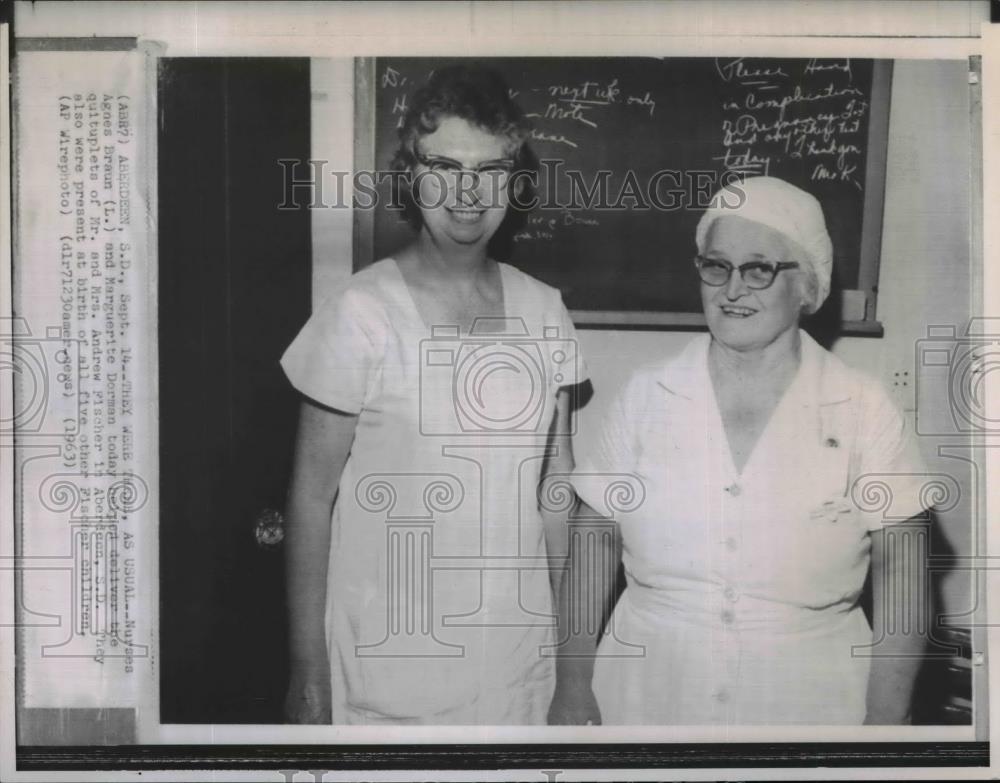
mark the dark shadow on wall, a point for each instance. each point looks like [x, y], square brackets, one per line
[942, 693]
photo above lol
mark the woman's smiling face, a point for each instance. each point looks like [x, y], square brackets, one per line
[739, 317]
[466, 212]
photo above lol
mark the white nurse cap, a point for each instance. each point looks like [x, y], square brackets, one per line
[785, 208]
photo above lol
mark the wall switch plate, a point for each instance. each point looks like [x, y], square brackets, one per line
[902, 385]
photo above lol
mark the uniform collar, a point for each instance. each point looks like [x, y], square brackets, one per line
[823, 378]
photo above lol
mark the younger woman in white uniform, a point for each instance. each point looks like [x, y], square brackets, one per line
[433, 382]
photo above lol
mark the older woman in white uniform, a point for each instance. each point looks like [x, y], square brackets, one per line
[432, 381]
[747, 557]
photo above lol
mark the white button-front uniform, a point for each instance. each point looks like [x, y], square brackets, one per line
[743, 586]
[438, 597]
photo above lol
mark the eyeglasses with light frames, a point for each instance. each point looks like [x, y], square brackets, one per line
[490, 169]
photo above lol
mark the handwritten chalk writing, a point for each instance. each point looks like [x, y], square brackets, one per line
[799, 95]
[844, 172]
[775, 112]
[815, 66]
[588, 102]
[575, 112]
[841, 151]
[752, 101]
[526, 236]
[849, 127]
[748, 126]
[541, 220]
[569, 219]
[742, 130]
[805, 120]
[738, 70]
[390, 77]
[645, 100]
[537, 135]
[746, 162]
[586, 91]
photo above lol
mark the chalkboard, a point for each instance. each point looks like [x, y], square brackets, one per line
[656, 137]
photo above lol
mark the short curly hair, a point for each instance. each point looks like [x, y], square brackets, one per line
[480, 96]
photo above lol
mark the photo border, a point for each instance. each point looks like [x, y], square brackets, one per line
[670, 756]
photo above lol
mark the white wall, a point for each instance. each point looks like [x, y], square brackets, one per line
[332, 87]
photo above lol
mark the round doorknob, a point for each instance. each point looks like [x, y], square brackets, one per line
[269, 529]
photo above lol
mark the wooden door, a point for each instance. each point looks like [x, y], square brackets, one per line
[234, 288]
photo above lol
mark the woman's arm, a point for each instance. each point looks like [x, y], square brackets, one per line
[901, 618]
[322, 444]
[559, 463]
[585, 601]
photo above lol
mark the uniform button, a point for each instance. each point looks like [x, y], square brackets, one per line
[732, 544]
[730, 593]
[734, 490]
[727, 617]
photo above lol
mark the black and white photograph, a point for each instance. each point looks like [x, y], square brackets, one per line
[533, 391]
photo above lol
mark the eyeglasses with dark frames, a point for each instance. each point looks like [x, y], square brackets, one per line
[757, 275]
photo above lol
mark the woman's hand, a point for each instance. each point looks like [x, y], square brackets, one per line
[574, 705]
[895, 560]
[589, 582]
[308, 698]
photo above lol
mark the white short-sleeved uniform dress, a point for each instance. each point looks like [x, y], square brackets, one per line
[742, 587]
[438, 597]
